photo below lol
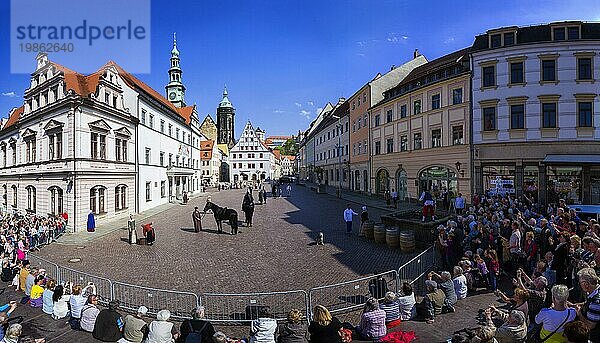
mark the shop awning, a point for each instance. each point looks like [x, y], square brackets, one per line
[571, 159]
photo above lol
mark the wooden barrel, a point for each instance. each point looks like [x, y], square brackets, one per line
[379, 233]
[368, 229]
[407, 241]
[391, 237]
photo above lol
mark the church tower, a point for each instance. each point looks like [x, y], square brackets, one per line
[175, 88]
[225, 121]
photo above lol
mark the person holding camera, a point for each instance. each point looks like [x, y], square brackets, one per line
[513, 329]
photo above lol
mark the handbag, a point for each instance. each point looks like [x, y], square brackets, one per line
[534, 334]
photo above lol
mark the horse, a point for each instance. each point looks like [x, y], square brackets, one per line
[223, 213]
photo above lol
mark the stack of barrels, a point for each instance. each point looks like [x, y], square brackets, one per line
[391, 236]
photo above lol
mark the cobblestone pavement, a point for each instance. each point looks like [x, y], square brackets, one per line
[276, 254]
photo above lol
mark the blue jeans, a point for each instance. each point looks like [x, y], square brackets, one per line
[348, 227]
[492, 278]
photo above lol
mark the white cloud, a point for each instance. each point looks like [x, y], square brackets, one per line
[310, 103]
[449, 40]
[278, 111]
[319, 110]
[305, 114]
[298, 104]
[9, 94]
[361, 55]
[394, 37]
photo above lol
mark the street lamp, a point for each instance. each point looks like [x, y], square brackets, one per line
[458, 165]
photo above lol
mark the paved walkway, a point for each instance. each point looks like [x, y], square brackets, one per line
[120, 223]
[371, 201]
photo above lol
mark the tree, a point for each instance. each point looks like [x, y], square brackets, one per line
[290, 147]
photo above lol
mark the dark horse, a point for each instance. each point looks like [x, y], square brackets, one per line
[223, 213]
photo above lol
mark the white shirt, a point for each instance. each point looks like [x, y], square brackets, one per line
[407, 307]
[77, 302]
[61, 307]
[348, 213]
[460, 286]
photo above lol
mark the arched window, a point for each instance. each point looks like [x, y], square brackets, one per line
[120, 197]
[97, 197]
[31, 198]
[56, 200]
[437, 178]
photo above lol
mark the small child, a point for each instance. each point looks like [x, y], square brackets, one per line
[482, 269]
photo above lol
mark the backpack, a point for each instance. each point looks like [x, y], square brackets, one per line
[194, 336]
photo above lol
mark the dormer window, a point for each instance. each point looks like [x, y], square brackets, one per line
[509, 38]
[559, 33]
[573, 32]
[496, 41]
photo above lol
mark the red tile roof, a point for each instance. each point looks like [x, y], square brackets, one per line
[13, 117]
[277, 154]
[85, 85]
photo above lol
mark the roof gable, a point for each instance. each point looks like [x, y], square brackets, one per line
[28, 133]
[123, 132]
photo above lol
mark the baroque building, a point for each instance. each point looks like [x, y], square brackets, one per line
[104, 142]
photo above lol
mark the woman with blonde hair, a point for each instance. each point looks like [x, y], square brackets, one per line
[47, 302]
[293, 331]
[324, 328]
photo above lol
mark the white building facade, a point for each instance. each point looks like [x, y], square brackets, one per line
[331, 146]
[536, 112]
[250, 160]
[104, 142]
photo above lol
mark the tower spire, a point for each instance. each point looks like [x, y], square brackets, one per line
[175, 88]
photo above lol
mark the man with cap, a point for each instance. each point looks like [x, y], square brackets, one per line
[135, 327]
[197, 218]
[432, 302]
[109, 324]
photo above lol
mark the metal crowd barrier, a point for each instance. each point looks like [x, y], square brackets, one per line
[104, 286]
[413, 270]
[40, 263]
[245, 307]
[131, 297]
[351, 295]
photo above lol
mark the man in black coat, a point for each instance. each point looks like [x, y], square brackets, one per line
[196, 326]
[109, 324]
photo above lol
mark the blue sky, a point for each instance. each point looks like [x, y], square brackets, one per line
[282, 60]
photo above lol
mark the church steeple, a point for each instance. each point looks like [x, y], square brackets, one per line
[226, 121]
[175, 88]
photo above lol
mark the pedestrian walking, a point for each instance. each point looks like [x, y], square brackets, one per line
[274, 190]
[248, 207]
[185, 198]
[264, 192]
[348, 215]
[260, 196]
[289, 190]
[91, 222]
[197, 218]
[395, 198]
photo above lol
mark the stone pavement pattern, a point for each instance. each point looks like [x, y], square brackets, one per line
[276, 254]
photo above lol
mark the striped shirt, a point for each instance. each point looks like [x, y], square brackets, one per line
[392, 310]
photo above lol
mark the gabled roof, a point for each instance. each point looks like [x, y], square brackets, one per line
[85, 85]
[208, 118]
[13, 118]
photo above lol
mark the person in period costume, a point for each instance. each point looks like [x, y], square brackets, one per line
[91, 222]
[148, 231]
[248, 207]
[197, 218]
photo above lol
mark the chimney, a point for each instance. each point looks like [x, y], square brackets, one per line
[393, 67]
[341, 100]
[416, 53]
